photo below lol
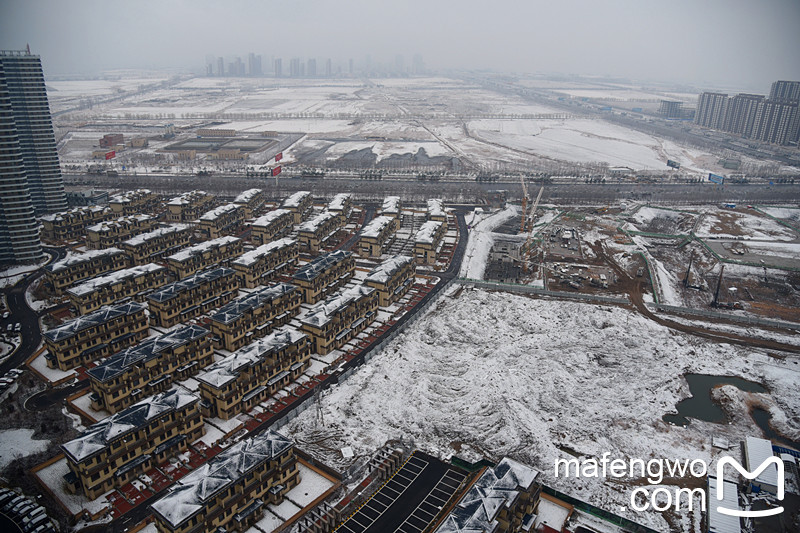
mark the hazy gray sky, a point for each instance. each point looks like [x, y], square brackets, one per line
[740, 43]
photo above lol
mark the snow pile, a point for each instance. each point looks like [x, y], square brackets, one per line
[16, 443]
[532, 379]
[480, 242]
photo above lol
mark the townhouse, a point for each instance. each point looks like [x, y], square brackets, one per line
[112, 232]
[436, 210]
[227, 219]
[271, 226]
[341, 205]
[135, 282]
[75, 268]
[192, 296]
[155, 244]
[376, 236]
[332, 323]
[134, 202]
[299, 204]
[324, 275]
[315, 232]
[253, 201]
[91, 337]
[71, 225]
[204, 255]
[427, 241]
[267, 262]
[392, 279]
[254, 373]
[188, 206]
[149, 367]
[254, 315]
[392, 208]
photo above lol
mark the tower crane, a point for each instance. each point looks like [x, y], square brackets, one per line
[526, 249]
[524, 204]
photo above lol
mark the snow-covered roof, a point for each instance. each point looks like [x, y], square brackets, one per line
[129, 196]
[391, 204]
[168, 292]
[296, 199]
[233, 310]
[199, 249]
[337, 204]
[758, 451]
[101, 316]
[98, 436]
[156, 233]
[76, 211]
[226, 370]
[246, 196]
[427, 231]
[376, 226]
[320, 264]
[323, 312]
[144, 351]
[248, 258]
[315, 223]
[384, 272]
[214, 214]
[496, 488]
[189, 495]
[271, 217]
[719, 522]
[99, 282]
[435, 207]
[188, 198]
[120, 222]
[74, 259]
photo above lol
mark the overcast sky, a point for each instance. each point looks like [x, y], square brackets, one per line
[709, 43]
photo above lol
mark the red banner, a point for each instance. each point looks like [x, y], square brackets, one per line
[111, 154]
[276, 171]
[278, 156]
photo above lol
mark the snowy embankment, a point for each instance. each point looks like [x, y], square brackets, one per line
[536, 379]
[480, 241]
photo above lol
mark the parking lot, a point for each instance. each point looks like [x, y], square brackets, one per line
[410, 500]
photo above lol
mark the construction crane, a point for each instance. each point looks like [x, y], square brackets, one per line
[526, 249]
[524, 204]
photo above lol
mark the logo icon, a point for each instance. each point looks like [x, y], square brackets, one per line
[749, 475]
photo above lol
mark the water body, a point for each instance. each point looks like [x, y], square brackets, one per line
[761, 417]
[700, 405]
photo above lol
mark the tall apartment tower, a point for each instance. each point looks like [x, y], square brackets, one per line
[312, 68]
[785, 90]
[34, 126]
[741, 115]
[278, 67]
[711, 110]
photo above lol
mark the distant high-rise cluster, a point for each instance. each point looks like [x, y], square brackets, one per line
[30, 175]
[774, 119]
[311, 67]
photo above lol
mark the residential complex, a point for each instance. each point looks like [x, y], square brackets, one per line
[376, 236]
[228, 492]
[332, 323]
[324, 275]
[71, 225]
[254, 373]
[192, 296]
[265, 263]
[119, 448]
[99, 334]
[775, 119]
[392, 279]
[252, 200]
[313, 233]
[149, 367]
[427, 240]
[134, 202]
[112, 232]
[155, 244]
[227, 219]
[188, 206]
[134, 282]
[271, 226]
[254, 315]
[299, 204]
[204, 255]
[75, 268]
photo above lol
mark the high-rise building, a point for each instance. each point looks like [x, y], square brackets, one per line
[741, 114]
[417, 65]
[711, 109]
[278, 69]
[30, 175]
[220, 66]
[254, 65]
[775, 121]
[785, 90]
[328, 68]
[294, 68]
[312, 68]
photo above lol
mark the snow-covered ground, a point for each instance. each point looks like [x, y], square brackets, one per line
[480, 241]
[530, 378]
[733, 224]
[16, 443]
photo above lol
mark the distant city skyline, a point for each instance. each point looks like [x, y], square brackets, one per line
[715, 44]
